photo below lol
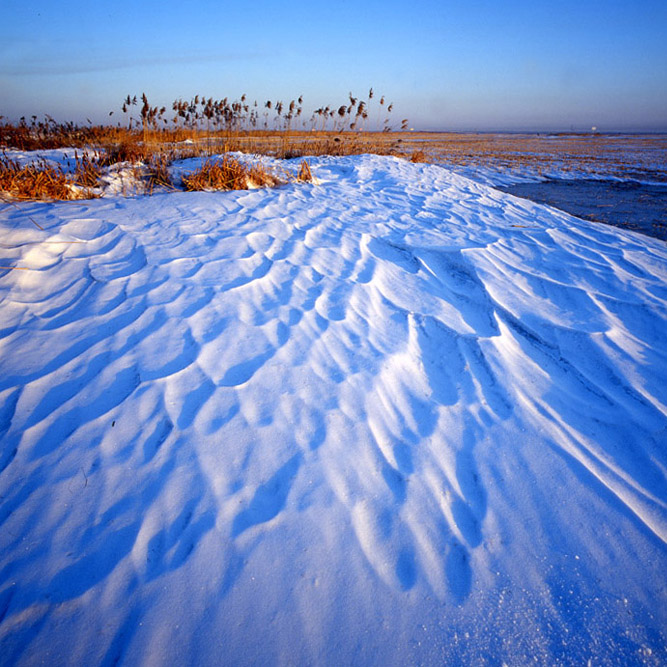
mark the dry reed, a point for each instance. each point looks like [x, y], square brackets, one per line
[304, 175]
[149, 141]
[229, 174]
[45, 181]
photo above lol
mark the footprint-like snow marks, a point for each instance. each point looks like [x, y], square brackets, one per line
[397, 405]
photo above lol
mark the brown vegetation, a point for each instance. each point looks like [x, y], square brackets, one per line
[274, 128]
[46, 181]
[229, 174]
[304, 175]
[149, 140]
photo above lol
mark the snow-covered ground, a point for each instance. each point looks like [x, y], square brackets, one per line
[397, 417]
[506, 160]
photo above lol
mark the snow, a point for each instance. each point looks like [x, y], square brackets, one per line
[507, 160]
[395, 417]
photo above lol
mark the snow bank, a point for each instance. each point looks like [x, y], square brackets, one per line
[397, 417]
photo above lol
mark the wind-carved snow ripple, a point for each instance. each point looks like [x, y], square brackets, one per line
[426, 369]
[307, 386]
[113, 326]
[580, 358]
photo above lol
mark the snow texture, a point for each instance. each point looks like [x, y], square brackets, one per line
[397, 417]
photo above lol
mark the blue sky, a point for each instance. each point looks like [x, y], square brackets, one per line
[448, 65]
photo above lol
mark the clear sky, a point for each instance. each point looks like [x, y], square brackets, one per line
[445, 64]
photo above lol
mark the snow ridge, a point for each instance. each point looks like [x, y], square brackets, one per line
[394, 417]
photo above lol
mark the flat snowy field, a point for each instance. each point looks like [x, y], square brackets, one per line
[397, 417]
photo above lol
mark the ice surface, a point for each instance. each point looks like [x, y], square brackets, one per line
[398, 417]
[626, 204]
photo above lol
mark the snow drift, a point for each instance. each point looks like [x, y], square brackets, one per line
[394, 418]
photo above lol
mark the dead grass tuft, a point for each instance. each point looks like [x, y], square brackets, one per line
[304, 175]
[47, 182]
[124, 151]
[156, 172]
[418, 156]
[87, 171]
[229, 174]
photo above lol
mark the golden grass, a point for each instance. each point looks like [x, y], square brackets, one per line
[305, 175]
[149, 141]
[156, 173]
[45, 181]
[87, 171]
[149, 166]
[229, 174]
[152, 157]
[275, 128]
